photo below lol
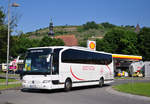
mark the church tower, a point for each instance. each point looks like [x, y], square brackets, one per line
[51, 32]
[137, 28]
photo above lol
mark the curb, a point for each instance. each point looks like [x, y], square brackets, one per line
[16, 88]
[115, 92]
[133, 79]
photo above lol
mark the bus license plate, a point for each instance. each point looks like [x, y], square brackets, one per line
[32, 86]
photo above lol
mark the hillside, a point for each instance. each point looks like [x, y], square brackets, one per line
[80, 32]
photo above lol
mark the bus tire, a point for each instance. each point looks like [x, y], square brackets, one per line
[68, 84]
[101, 82]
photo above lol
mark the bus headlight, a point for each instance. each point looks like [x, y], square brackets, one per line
[46, 81]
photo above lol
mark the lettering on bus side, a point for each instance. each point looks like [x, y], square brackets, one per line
[88, 68]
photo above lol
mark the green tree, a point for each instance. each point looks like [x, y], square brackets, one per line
[144, 43]
[83, 43]
[13, 46]
[3, 37]
[19, 45]
[101, 45]
[107, 25]
[2, 17]
[90, 25]
[119, 41]
[3, 43]
[47, 41]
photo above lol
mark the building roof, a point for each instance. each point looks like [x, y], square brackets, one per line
[69, 40]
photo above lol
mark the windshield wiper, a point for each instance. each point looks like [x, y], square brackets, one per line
[35, 73]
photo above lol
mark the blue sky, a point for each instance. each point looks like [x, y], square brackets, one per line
[35, 14]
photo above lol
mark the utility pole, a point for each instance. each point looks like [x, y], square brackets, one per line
[8, 37]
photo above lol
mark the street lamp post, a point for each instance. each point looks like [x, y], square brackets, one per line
[8, 37]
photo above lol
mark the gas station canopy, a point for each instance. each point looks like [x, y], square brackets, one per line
[127, 57]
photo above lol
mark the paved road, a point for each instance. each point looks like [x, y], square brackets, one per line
[83, 95]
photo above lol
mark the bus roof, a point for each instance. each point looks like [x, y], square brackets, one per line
[70, 47]
[115, 56]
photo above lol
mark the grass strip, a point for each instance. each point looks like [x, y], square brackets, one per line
[9, 80]
[9, 75]
[135, 88]
[4, 87]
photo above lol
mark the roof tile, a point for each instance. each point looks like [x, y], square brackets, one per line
[69, 40]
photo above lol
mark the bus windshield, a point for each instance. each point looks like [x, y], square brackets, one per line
[38, 61]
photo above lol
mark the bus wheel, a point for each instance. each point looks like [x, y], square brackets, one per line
[101, 82]
[68, 85]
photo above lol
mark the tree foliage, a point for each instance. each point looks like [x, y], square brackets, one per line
[119, 41]
[2, 17]
[144, 43]
[3, 37]
[47, 41]
[107, 25]
[22, 43]
[90, 25]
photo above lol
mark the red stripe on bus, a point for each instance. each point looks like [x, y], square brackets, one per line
[109, 69]
[74, 75]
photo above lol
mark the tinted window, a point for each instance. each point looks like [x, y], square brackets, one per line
[85, 57]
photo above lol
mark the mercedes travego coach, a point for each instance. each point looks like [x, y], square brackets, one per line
[66, 67]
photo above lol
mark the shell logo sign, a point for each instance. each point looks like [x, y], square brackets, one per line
[91, 45]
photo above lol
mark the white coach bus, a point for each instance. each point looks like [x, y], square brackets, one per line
[66, 67]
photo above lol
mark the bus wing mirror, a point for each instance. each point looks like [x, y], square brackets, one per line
[48, 58]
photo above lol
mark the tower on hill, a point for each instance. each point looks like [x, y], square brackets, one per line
[137, 28]
[51, 32]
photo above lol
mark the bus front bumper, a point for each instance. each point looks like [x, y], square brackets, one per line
[34, 85]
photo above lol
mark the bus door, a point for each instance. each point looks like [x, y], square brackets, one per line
[55, 64]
